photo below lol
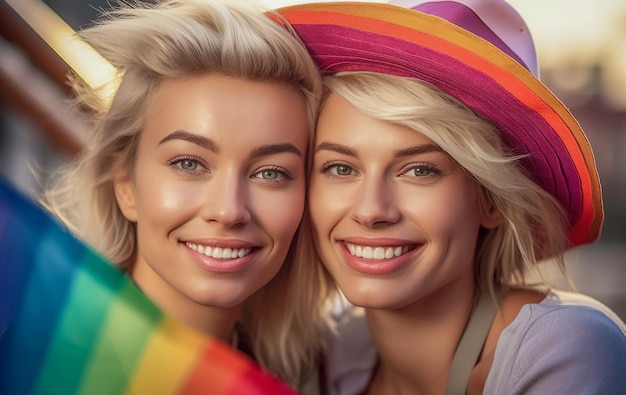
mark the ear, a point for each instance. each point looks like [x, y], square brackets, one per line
[124, 194]
[490, 216]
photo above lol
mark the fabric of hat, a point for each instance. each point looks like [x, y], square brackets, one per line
[448, 45]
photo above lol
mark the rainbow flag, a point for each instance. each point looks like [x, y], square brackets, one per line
[71, 323]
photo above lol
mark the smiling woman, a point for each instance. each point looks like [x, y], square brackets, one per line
[458, 171]
[198, 193]
[211, 122]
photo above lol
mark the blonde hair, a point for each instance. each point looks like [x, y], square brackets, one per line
[534, 223]
[174, 39]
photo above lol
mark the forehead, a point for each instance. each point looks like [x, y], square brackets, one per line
[228, 108]
[340, 121]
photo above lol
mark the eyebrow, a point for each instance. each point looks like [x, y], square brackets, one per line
[201, 141]
[338, 148]
[345, 150]
[418, 149]
[211, 145]
[272, 149]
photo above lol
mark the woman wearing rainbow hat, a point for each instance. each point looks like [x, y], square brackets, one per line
[444, 171]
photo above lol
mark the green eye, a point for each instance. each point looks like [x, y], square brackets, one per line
[187, 164]
[269, 174]
[272, 174]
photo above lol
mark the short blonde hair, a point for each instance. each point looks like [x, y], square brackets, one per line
[534, 223]
[147, 43]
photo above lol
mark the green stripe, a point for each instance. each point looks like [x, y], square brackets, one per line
[129, 325]
[94, 289]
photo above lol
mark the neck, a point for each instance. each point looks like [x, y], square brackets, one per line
[218, 322]
[416, 343]
[215, 321]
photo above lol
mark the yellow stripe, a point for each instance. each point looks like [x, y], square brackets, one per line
[170, 356]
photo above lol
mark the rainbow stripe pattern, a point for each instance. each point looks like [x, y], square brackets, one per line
[449, 45]
[71, 323]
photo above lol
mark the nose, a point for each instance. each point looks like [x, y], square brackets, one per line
[226, 201]
[374, 205]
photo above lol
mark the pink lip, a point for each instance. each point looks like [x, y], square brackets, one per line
[377, 267]
[224, 243]
[223, 266]
[378, 242]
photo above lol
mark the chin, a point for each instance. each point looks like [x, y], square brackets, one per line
[222, 300]
[366, 299]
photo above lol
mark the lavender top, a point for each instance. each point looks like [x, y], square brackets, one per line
[566, 344]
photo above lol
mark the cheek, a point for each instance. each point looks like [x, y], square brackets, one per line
[449, 214]
[324, 205]
[167, 203]
[281, 213]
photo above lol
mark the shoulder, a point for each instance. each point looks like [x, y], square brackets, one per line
[575, 314]
[567, 338]
[565, 323]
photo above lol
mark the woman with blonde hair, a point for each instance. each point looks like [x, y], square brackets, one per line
[193, 181]
[444, 171]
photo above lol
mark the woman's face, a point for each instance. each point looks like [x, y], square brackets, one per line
[217, 191]
[396, 219]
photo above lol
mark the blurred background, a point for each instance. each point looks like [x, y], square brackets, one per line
[582, 55]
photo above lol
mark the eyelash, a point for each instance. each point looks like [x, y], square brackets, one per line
[433, 170]
[326, 168]
[178, 160]
[286, 175]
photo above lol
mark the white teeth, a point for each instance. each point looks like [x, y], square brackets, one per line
[219, 252]
[376, 253]
[379, 253]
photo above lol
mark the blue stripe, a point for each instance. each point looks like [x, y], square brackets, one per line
[38, 260]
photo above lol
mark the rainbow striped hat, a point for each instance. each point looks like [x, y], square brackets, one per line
[479, 51]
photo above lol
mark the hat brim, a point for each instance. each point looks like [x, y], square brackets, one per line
[351, 36]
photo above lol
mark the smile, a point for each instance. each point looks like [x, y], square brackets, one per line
[376, 253]
[219, 252]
